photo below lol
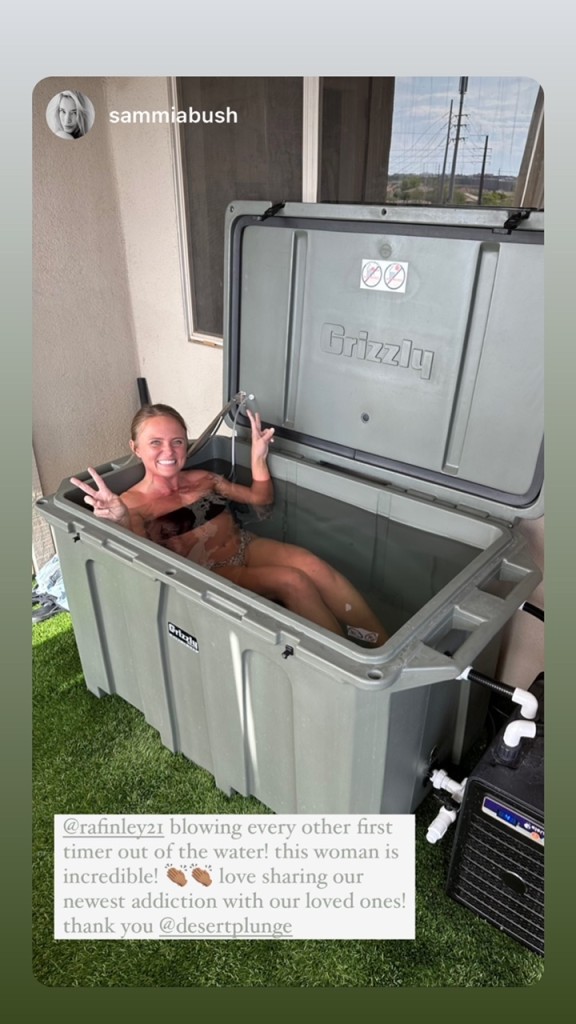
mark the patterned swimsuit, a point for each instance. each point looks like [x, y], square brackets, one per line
[190, 517]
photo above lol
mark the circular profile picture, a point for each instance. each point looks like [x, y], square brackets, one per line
[70, 114]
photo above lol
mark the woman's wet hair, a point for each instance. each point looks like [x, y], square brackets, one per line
[148, 412]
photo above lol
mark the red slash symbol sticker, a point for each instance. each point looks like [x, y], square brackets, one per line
[394, 276]
[371, 275]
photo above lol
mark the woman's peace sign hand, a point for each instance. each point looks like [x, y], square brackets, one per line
[105, 503]
[261, 439]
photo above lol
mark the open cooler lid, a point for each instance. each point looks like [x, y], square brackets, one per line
[402, 344]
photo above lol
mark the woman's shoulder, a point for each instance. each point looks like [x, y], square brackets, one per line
[201, 480]
[132, 495]
[135, 499]
[192, 484]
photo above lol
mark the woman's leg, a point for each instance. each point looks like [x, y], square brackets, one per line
[293, 588]
[345, 603]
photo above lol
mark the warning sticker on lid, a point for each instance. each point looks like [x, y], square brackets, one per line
[384, 275]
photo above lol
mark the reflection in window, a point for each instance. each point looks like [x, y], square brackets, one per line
[356, 124]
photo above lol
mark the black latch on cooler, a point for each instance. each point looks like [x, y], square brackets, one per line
[272, 210]
[512, 222]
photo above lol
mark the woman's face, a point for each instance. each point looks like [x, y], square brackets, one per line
[68, 114]
[161, 444]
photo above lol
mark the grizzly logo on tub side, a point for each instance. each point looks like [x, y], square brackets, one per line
[185, 638]
[333, 339]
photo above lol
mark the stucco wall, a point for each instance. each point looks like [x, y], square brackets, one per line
[84, 352]
[183, 374]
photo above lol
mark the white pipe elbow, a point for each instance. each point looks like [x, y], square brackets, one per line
[516, 730]
[528, 703]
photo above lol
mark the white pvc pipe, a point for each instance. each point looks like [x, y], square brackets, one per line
[516, 730]
[528, 703]
[441, 780]
[440, 825]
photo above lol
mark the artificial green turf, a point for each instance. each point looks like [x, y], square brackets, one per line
[99, 756]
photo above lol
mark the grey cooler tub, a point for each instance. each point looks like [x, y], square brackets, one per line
[399, 356]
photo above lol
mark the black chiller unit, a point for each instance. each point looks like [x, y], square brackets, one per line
[497, 863]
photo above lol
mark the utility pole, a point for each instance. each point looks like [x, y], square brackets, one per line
[481, 185]
[441, 198]
[462, 89]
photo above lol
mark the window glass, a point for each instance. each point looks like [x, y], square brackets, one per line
[258, 156]
[356, 120]
[461, 141]
[452, 141]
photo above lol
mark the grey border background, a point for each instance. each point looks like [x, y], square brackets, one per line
[305, 37]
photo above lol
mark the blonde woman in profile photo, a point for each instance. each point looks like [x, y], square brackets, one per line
[70, 114]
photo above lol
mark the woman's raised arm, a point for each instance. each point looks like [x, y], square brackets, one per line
[261, 490]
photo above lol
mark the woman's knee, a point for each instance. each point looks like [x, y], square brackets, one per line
[314, 567]
[293, 583]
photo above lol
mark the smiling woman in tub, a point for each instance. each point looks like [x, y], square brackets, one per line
[187, 511]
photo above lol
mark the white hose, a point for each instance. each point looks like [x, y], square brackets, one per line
[243, 398]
